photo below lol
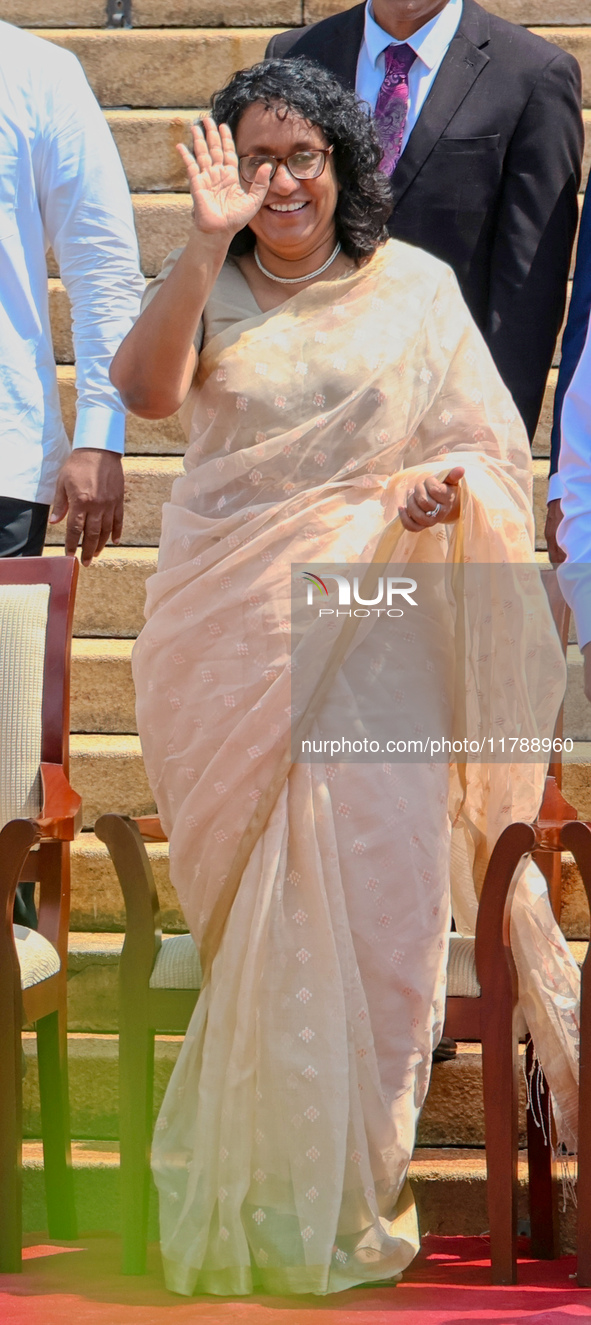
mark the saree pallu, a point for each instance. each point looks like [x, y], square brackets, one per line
[284, 1139]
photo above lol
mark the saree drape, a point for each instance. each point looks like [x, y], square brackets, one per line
[283, 1143]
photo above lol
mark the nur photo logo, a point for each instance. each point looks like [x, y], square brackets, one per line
[349, 601]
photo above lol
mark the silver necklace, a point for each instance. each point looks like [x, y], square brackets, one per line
[298, 280]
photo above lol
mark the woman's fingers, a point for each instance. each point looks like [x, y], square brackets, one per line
[429, 494]
[260, 186]
[409, 523]
[200, 147]
[454, 476]
[418, 510]
[228, 146]
[214, 142]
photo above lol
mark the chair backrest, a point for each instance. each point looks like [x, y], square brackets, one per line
[36, 612]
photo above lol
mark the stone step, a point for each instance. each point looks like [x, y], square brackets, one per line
[541, 442]
[142, 436]
[167, 13]
[161, 67]
[255, 13]
[97, 902]
[577, 709]
[148, 480]
[525, 12]
[235, 13]
[453, 1114]
[103, 698]
[449, 1186]
[181, 67]
[147, 140]
[111, 593]
[576, 782]
[109, 774]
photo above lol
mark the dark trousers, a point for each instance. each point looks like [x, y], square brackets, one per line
[22, 527]
[22, 534]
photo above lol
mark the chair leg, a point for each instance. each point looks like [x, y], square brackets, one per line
[543, 1189]
[10, 1132]
[55, 1127]
[136, 1103]
[499, 1079]
[16, 840]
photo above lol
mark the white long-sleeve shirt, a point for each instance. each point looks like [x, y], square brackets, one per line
[429, 43]
[574, 532]
[61, 184]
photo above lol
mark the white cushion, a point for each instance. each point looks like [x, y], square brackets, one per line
[37, 957]
[461, 968]
[177, 965]
[23, 625]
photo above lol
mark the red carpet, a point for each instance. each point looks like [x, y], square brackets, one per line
[448, 1283]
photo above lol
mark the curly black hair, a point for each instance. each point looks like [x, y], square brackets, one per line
[304, 87]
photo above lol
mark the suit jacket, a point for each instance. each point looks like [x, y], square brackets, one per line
[575, 331]
[489, 177]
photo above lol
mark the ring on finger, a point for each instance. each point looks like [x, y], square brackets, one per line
[432, 515]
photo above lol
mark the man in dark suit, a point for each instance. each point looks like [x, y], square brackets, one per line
[488, 174]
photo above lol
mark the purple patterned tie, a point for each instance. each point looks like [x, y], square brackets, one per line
[392, 104]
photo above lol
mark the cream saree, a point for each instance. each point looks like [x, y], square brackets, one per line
[283, 1143]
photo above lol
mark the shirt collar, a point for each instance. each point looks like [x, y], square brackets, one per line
[429, 43]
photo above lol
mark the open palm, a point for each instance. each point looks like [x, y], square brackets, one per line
[220, 204]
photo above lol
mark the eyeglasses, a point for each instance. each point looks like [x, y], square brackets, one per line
[302, 165]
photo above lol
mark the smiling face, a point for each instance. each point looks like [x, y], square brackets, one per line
[297, 216]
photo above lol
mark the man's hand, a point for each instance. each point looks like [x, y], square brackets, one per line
[553, 519]
[90, 490]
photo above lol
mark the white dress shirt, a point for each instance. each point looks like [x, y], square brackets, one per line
[61, 184]
[429, 43]
[574, 532]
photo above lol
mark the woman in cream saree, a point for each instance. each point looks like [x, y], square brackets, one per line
[319, 893]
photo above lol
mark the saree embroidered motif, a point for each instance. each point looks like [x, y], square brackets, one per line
[283, 1144]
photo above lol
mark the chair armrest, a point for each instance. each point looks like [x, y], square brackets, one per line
[61, 812]
[143, 933]
[150, 828]
[554, 812]
[16, 839]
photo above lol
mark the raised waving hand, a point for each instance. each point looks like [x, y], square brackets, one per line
[220, 204]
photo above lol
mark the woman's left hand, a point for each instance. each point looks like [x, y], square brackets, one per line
[432, 501]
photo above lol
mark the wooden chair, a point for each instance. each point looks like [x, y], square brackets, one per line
[482, 1007]
[38, 809]
[159, 986]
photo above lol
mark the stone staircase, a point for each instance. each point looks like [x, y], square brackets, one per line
[152, 81]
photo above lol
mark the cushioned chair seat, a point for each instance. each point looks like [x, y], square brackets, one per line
[461, 968]
[37, 957]
[177, 965]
